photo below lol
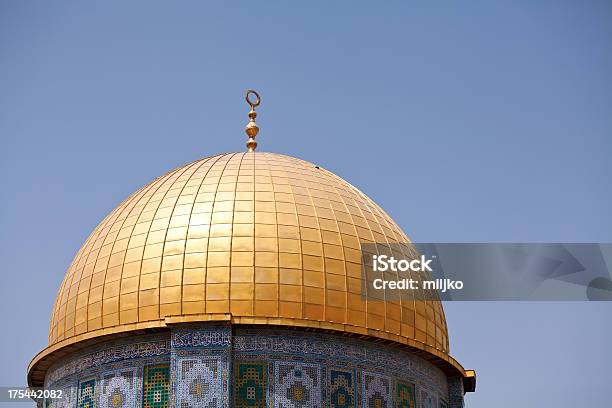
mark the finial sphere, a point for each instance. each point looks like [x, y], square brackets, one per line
[252, 129]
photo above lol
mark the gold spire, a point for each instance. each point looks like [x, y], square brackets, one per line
[251, 128]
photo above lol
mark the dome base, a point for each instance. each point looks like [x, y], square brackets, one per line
[239, 365]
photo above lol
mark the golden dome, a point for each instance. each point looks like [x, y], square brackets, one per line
[251, 238]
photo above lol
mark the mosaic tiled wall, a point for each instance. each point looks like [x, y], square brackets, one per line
[119, 388]
[201, 360]
[222, 367]
[156, 386]
[109, 375]
[322, 370]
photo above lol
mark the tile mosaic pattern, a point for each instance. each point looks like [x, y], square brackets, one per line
[258, 235]
[120, 389]
[87, 394]
[250, 384]
[428, 399]
[271, 368]
[327, 346]
[67, 400]
[376, 391]
[455, 392]
[156, 387]
[201, 358]
[142, 347]
[200, 383]
[341, 388]
[217, 337]
[297, 385]
[405, 395]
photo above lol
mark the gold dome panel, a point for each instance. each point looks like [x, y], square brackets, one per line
[247, 237]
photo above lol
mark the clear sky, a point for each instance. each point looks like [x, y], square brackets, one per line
[469, 121]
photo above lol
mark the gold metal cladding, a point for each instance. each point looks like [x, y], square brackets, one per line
[263, 237]
[252, 129]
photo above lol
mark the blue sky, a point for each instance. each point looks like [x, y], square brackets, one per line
[468, 122]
